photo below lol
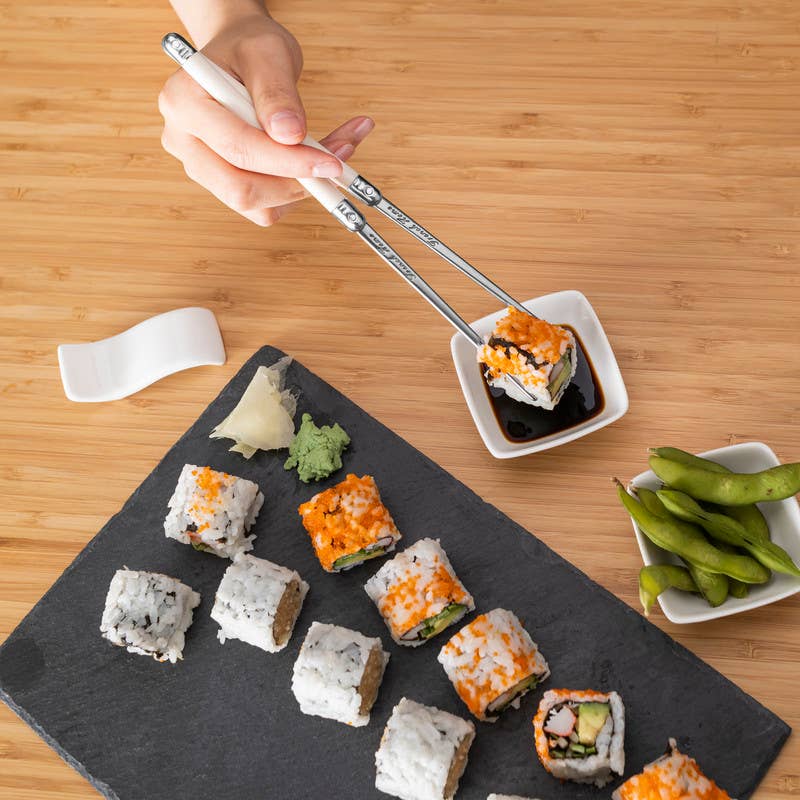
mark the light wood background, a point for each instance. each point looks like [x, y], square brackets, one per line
[644, 152]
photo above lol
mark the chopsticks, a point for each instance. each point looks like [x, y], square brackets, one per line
[231, 94]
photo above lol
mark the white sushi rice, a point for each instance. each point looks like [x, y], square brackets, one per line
[148, 613]
[419, 564]
[248, 598]
[329, 671]
[598, 769]
[508, 797]
[537, 393]
[417, 750]
[485, 660]
[213, 511]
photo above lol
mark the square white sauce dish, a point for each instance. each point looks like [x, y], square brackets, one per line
[595, 397]
[782, 517]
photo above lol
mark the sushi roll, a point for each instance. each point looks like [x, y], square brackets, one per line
[674, 776]
[418, 593]
[348, 524]
[541, 356]
[492, 662]
[213, 511]
[148, 613]
[258, 602]
[338, 673]
[423, 752]
[580, 735]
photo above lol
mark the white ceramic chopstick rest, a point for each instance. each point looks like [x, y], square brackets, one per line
[121, 365]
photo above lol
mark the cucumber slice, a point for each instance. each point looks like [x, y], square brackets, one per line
[203, 548]
[555, 387]
[352, 559]
[437, 624]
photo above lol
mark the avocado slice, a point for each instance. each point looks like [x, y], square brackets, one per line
[500, 704]
[356, 558]
[591, 718]
[437, 624]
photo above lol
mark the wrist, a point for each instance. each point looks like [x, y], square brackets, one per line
[204, 20]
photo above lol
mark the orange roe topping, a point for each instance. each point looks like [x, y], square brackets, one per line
[674, 777]
[511, 664]
[207, 497]
[346, 518]
[407, 603]
[544, 341]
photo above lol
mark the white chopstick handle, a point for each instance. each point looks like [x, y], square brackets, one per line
[231, 94]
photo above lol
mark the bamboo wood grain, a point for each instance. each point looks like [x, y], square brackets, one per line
[644, 152]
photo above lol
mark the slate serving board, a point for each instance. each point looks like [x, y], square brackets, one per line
[224, 724]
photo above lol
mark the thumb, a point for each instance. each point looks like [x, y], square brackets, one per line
[270, 79]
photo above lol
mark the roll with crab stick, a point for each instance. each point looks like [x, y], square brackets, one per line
[492, 662]
[541, 356]
[418, 593]
[674, 776]
[580, 735]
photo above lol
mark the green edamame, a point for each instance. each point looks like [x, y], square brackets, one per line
[751, 518]
[735, 588]
[748, 515]
[714, 586]
[682, 457]
[728, 530]
[689, 543]
[729, 489]
[657, 578]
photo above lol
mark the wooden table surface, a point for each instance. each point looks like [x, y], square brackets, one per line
[644, 152]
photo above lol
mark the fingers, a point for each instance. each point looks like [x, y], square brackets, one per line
[257, 197]
[269, 74]
[343, 141]
[185, 106]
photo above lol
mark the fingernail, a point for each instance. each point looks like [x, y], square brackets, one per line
[327, 169]
[363, 128]
[285, 125]
[344, 151]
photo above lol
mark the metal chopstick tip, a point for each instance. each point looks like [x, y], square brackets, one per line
[177, 48]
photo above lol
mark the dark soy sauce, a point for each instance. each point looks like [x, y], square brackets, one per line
[582, 400]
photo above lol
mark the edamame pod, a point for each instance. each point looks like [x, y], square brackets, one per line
[751, 518]
[728, 530]
[682, 457]
[729, 489]
[689, 543]
[748, 515]
[735, 588]
[657, 578]
[714, 586]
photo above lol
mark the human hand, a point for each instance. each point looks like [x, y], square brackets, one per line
[249, 170]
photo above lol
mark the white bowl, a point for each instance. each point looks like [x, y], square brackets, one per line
[783, 518]
[563, 308]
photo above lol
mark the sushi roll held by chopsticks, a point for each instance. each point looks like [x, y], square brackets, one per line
[543, 357]
[580, 735]
[423, 752]
[418, 593]
[492, 662]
